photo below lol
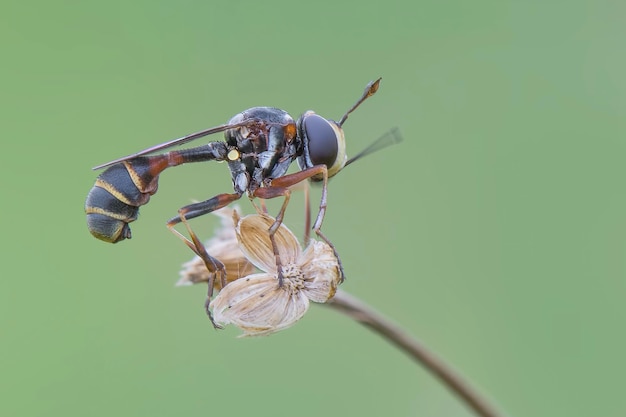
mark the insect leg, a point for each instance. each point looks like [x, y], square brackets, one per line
[296, 177]
[307, 214]
[278, 187]
[204, 207]
[273, 192]
[213, 265]
[198, 209]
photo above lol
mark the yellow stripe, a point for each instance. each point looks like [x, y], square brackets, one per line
[97, 210]
[111, 189]
[135, 178]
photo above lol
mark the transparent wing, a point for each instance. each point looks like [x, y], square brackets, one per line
[181, 141]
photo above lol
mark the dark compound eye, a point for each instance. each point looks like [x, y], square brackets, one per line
[323, 146]
[324, 143]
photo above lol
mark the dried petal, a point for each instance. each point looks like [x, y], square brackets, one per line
[256, 303]
[320, 267]
[195, 270]
[254, 240]
[258, 306]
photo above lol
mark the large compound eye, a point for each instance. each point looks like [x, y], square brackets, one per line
[324, 143]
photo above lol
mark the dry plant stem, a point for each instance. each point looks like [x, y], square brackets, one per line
[365, 315]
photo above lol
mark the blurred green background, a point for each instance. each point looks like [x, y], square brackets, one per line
[496, 232]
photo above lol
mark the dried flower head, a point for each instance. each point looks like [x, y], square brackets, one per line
[225, 247]
[256, 303]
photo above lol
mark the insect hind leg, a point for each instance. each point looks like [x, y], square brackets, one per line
[204, 207]
[214, 266]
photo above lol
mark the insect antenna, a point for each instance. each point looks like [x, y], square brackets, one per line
[391, 137]
[370, 90]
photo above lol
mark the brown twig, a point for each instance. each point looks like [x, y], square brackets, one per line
[368, 317]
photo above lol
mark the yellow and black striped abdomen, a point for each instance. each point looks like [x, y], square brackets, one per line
[114, 200]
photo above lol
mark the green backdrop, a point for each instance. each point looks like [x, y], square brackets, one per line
[496, 232]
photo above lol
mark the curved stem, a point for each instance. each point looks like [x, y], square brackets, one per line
[370, 318]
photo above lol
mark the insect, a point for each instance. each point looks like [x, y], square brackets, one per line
[260, 145]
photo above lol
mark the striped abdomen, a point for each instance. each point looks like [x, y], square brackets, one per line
[114, 200]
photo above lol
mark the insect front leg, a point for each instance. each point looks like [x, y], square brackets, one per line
[295, 178]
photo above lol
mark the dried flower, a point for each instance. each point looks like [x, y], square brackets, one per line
[223, 246]
[256, 303]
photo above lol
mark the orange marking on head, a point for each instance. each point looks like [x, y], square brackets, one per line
[290, 131]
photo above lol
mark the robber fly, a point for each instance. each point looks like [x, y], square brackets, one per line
[260, 145]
